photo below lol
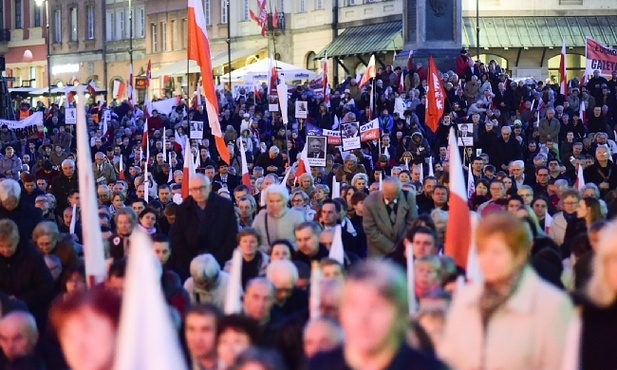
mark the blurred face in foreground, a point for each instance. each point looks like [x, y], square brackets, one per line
[200, 334]
[497, 261]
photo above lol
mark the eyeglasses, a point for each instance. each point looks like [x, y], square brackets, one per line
[200, 188]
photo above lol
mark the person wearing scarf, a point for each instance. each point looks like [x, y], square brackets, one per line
[513, 319]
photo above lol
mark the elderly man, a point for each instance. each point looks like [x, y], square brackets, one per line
[505, 149]
[14, 207]
[349, 168]
[10, 164]
[258, 300]
[205, 223]
[63, 184]
[289, 300]
[104, 172]
[208, 283]
[517, 173]
[549, 126]
[272, 162]
[387, 216]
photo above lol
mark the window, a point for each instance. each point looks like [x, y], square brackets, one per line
[37, 15]
[73, 25]
[90, 21]
[318, 4]
[351, 2]
[301, 6]
[141, 21]
[163, 36]
[245, 10]
[120, 24]
[207, 12]
[155, 46]
[282, 7]
[174, 35]
[111, 25]
[185, 33]
[18, 14]
[223, 11]
[57, 26]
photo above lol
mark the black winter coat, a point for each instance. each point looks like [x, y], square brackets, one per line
[26, 216]
[197, 231]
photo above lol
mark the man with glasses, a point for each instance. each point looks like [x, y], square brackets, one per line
[542, 181]
[205, 223]
[569, 205]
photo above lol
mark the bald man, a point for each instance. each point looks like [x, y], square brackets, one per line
[19, 337]
[321, 335]
[387, 216]
[258, 300]
[205, 223]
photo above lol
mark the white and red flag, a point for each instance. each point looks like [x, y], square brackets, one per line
[458, 229]
[188, 171]
[130, 89]
[246, 177]
[262, 18]
[199, 50]
[563, 78]
[371, 72]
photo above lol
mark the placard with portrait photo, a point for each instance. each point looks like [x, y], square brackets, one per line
[465, 134]
[316, 150]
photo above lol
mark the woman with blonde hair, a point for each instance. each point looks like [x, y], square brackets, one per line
[513, 319]
[599, 310]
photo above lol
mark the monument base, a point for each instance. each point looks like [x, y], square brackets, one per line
[445, 59]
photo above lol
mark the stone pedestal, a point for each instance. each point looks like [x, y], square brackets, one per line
[432, 27]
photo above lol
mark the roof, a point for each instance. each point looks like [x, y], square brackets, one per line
[367, 39]
[519, 32]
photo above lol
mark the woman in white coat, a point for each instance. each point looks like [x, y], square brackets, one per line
[513, 320]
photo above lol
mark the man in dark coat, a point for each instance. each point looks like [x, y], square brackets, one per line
[62, 185]
[14, 207]
[505, 150]
[205, 223]
[23, 273]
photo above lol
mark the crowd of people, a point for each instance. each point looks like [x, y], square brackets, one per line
[543, 184]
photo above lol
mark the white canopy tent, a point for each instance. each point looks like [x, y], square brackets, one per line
[259, 72]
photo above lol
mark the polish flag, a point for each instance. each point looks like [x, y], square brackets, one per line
[371, 71]
[94, 257]
[199, 50]
[471, 185]
[303, 163]
[435, 97]
[118, 90]
[324, 81]
[144, 136]
[275, 18]
[548, 219]
[188, 171]
[246, 178]
[121, 168]
[582, 112]
[91, 89]
[580, 179]
[410, 61]
[149, 73]
[563, 82]
[130, 90]
[257, 93]
[272, 77]
[458, 229]
[401, 82]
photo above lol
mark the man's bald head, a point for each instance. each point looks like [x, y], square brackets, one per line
[391, 188]
[18, 334]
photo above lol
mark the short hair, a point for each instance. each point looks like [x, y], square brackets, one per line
[170, 209]
[429, 178]
[301, 193]
[570, 193]
[519, 163]
[337, 205]
[204, 265]
[9, 188]
[249, 231]
[68, 162]
[242, 187]
[283, 266]
[515, 234]
[118, 193]
[146, 211]
[28, 177]
[127, 211]
[45, 228]
[160, 238]
[117, 268]
[204, 309]
[274, 149]
[278, 189]
[240, 324]
[314, 226]
[284, 242]
[359, 176]
[9, 231]
[358, 197]
[386, 278]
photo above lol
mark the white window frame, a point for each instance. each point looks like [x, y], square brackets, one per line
[208, 12]
[141, 23]
[154, 35]
[224, 19]
[73, 36]
[245, 10]
[174, 34]
[90, 22]
[164, 36]
[57, 26]
[120, 24]
[318, 4]
[301, 6]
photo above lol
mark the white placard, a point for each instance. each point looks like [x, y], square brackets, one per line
[70, 116]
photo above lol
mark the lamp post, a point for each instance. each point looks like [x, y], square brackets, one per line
[39, 3]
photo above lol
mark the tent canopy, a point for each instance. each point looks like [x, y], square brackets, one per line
[259, 72]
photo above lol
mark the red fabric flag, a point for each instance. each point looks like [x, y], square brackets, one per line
[410, 61]
[275, 18]
[257, 93]
[246, 177]
[563, 81]
[262, 19]
[371, 72]
[273, 78]
[188, 169]
[130, 89]
[435, 97]
[199, 50]
[458, 229]
[91, 89]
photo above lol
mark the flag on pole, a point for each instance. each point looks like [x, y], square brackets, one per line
[246, 177]
[458, 229]
[401, 82]
[146, 179]
[563, 78]
[164, 148]
[130, 100]
[411, 280]
[275, 18]
[118, 89]
[303, 163]
[262, 19]
[272, 77]
[548, 219]
[188, 171]
[94, 258]
[371, 71]
[198, 97]
[101, 102]
[337, 122]
[142, 344]
[435, 97]
[582, 112]
[170, 177]
[233, 302]
[91, 89]
[199, 50]
[281, 90]
[337, 252]
[148, 73]
[68, 98]
[471, 184]
[121, 168]
[73, 220]
[431, 171]
[324, 80]
[580, 179]
[421, 172]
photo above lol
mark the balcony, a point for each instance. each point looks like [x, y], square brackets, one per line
[5, 35]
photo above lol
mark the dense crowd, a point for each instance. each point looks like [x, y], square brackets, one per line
[546, 247]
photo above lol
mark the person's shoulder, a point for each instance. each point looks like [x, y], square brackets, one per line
[420, 361]
[332, 360]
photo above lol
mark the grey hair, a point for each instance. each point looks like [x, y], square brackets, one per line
[68, 162]
[274, 149]
[9, 188]
[518, 163]
[279, 189]
[282, 267]
[204, 265]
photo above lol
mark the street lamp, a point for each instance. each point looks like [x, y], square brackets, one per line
[39, 3]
